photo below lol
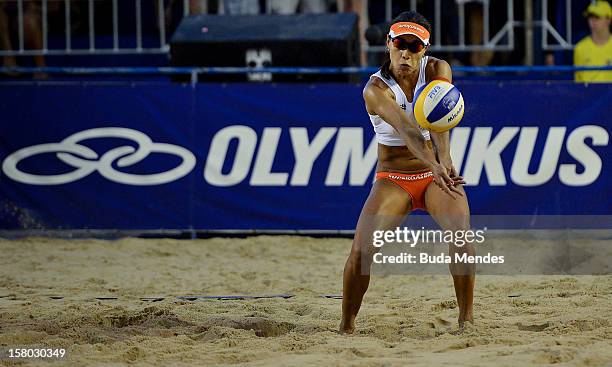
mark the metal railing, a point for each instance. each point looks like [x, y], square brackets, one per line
[563, 43]
[503, 40]
[286, 70]
[92, 48]
[194, 72]
[548, 30]
[488, 43]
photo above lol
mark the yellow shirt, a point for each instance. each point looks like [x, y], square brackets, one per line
[588, 53]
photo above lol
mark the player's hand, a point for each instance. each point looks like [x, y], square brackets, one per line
[452, 172]
[445, 182]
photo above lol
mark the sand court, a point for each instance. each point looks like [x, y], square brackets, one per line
[115, 302]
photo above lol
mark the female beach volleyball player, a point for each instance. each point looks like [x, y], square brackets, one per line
[410, 159]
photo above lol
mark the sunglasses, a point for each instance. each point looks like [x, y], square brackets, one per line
[415, 46]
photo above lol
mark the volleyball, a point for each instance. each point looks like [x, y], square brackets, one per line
[438, 106]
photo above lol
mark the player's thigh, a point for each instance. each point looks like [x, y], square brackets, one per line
[385, 209]
[448, 213]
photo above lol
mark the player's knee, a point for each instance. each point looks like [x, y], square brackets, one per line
[461, 247]
[360, 258]
[456, 220]
[353, 263]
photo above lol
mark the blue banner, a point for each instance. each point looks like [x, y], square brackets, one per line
[285, 156]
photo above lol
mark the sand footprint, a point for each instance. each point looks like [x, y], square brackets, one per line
[533, 327]
[440, 324]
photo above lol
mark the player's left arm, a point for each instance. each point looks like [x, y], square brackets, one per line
[441, 70]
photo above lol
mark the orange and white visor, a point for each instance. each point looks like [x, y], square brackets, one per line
[403, 28]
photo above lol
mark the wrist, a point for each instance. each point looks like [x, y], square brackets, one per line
[432, 165]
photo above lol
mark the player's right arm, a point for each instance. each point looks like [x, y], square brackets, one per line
[379, 102]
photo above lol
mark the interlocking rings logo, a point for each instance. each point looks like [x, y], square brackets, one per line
[69, 150]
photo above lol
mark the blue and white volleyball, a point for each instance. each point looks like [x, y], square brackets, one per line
[438, 106]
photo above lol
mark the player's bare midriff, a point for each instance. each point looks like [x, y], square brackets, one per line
[399, 159]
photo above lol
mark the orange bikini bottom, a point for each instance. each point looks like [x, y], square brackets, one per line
[414, 184]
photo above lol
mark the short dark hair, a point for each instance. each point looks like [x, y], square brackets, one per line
[407, 16]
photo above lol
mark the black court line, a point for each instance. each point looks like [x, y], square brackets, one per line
[152, 299]
[333, 296]
[220, 298]
[234, 297]
[103, 298]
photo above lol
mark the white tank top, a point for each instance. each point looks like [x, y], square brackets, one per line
[385, 133]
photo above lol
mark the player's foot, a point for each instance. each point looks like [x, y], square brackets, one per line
[347, 328]
[469, 317]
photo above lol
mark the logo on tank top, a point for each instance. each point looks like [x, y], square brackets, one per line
[403, 106]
